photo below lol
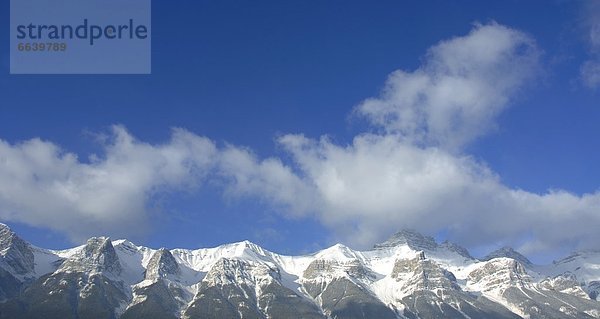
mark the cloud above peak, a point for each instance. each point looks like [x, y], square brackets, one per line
[463, 84]
[380, 184]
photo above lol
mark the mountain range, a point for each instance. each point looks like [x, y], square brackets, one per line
[407, 276]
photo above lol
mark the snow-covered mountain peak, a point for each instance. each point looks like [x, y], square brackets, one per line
[203, 259]
[337, 252]
[508, 252]
[498, 274]
[98, 255]
[421, 273]
[236, 271]
[331, 268]
[124, 244]
[584, 265]
[565, 283]
[162, 265]
[243, 249]
[410, 238]
[408, 276]
[450, 246]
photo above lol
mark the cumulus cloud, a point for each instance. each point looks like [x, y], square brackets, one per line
[411, 172]
[590, 69]
[381, 183]
[112, 194]
[414, 175]
[245, 175]
[461, 87]
[42, 185]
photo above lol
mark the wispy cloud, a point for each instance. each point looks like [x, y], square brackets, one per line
[463, 84]
[590, 69]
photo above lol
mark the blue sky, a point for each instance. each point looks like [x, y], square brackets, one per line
[241, 77]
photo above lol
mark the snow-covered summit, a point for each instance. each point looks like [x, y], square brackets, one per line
[162, 265]
[407, 276]
[508, 252]
[410, 238]
[98, 255]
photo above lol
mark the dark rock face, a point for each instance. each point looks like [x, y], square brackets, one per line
[222, 302]
[16, 253]
[9, 285]
[16, 263]
[229, 290]
[68, 295]
[593, 290]
[343, 298]
[281, 302]
[160, 301]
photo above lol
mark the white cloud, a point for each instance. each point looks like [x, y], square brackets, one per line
[246, 176]
[41, 185]
[461, 87]
[379, 184]
[414, 175]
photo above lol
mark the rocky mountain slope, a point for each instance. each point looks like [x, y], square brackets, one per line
[408, 276]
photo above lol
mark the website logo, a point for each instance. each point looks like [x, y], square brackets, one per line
[80, 37]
